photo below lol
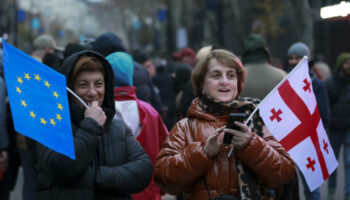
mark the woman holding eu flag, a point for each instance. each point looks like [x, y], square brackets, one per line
[110, 163]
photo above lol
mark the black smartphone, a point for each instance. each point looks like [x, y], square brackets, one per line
[231, 125]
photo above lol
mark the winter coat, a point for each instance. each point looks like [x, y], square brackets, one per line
[322, 99]
[260, 79]
[339, 96]
[3, 113]
[182, 163]
[109, 164]
[147, 126]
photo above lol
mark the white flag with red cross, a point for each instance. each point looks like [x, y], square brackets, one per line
[291, 114]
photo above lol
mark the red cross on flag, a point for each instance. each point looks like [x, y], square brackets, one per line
[290, 112]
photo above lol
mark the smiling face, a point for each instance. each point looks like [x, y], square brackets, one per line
[220, 82]
[90, 86]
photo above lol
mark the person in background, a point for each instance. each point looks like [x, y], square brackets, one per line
[185, 55]
[109, 162]
[142, 58]
[143, 120]
[261, 76]
[194, 161]
[322, 70]
[4, 141]
[295, 53]
[339, 95]
[43, 45]
[108, 43]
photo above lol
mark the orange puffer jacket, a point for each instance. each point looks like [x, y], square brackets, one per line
[182, 163]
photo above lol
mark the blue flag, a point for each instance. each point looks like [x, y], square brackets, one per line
[38, 101]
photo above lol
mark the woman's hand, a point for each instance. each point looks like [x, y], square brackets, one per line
[240, 138]
[213, 143]
[96, 112]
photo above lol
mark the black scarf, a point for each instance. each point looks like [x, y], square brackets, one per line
[241, 105]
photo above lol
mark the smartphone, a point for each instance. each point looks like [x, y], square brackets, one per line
[231, 125]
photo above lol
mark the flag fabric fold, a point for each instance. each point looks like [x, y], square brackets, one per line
[38, 101]
[291, 114]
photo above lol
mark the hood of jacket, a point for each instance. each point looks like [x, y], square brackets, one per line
[108, 105]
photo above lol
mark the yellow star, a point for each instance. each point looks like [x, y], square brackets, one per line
[59, 106]
[19, 80]
[37, 77]
[27, 76]
[58, 116]
[42, 120]
[18, 90]
[32, 114]
[47, 84]
[55, 94]
[23, 103]
[52, 122]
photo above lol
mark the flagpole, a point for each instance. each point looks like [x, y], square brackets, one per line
[257, 107]
[76, 96]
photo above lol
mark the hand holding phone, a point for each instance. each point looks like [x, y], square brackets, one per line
[231, 125]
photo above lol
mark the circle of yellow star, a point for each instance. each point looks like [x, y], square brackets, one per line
[37, 77]
[52, 122]
[26, 76]
[19, 80]
[55, 94]
[58, 116]
[59, 106]
[42, 120]
[47, 84]
[32, 114]
[23, 103]
[18, 90]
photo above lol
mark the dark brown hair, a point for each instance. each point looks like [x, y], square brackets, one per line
[222, 56]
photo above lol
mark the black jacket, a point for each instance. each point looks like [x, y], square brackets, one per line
[110, 163]
[339, 97]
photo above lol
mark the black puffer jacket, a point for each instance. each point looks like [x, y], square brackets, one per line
[339, 96]
[110, 163]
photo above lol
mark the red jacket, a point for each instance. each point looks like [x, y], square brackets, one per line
[182, 163]
[151, 136]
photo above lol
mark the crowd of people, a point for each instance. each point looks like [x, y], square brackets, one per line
[152, 128]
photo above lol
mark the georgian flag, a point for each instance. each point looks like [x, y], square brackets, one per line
[290, 112]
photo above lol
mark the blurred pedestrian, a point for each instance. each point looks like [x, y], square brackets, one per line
[110, 163]
[185, 55]
[43, 45]
[108, 43]
[193, 161]
[143, 120]
[339, 95]
[261, 76]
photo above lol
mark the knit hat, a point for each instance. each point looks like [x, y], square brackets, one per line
[299, 49]
[123, 67]
[108, 43]
[254, 49]
[140, 56]
[341, 59]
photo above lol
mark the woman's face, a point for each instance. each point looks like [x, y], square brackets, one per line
[220, 82]
[90, 86]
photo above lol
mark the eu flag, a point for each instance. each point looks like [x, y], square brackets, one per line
[38, 101]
